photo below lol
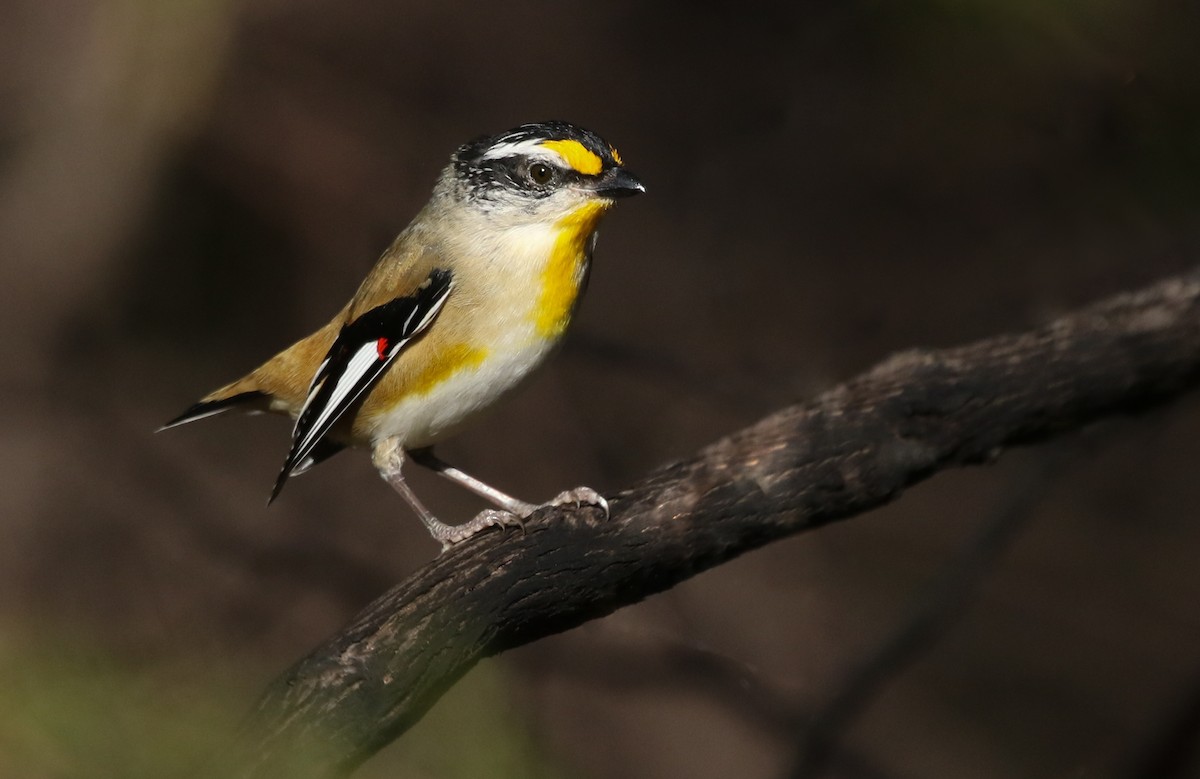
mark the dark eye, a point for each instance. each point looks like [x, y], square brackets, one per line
[540, 173]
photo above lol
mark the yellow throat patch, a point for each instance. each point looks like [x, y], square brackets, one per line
[563, 273]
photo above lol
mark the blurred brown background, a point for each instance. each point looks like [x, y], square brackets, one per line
[185, 187]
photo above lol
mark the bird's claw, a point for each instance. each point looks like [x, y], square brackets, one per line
[450, 535]
[580, 496]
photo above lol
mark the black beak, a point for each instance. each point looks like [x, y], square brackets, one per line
[618, 182]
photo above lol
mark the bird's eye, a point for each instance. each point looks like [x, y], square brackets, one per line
[540, 173]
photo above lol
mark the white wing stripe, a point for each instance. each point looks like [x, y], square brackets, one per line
[431, 313]
[362, 360]
[313, 389]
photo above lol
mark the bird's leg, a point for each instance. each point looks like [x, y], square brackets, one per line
[578, 496]
[489, 493]
[388, 457]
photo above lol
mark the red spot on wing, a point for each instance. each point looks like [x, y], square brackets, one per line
[381, 346]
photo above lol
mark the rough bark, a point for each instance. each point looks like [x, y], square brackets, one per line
[853, 448]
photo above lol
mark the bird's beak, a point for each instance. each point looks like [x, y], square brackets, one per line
[618, 182]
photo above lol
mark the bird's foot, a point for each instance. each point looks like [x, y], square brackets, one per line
[580, 496]
[449, 535]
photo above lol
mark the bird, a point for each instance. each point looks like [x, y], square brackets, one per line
[468, 300]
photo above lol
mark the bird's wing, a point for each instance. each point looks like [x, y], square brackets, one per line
[365, 347]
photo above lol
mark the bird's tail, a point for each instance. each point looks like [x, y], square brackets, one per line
[221, 401]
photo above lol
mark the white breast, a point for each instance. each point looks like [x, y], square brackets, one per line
[425, 419]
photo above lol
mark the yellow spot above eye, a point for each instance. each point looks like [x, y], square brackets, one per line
[577, 156]
[616, 155]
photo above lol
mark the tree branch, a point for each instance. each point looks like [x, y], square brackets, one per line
[853, 448]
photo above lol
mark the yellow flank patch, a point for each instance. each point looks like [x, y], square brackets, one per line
[443, 365]
[577, 156]
[564, 271]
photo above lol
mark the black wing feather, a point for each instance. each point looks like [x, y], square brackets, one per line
[358, 357]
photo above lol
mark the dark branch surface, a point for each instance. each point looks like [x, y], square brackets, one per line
[853, 448]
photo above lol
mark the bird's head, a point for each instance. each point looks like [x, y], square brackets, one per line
[543, 171]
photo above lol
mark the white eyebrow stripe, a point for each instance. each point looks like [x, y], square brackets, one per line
[529, 148]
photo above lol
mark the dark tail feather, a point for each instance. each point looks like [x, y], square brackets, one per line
[279, 482]
[207, 408]
[322, 451]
